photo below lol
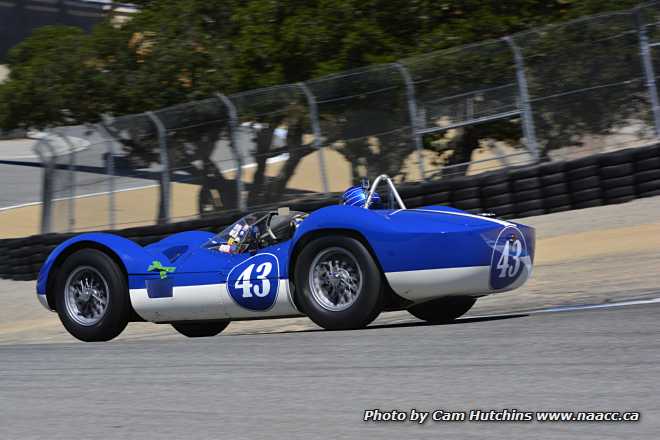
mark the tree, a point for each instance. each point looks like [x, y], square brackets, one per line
[172, 52]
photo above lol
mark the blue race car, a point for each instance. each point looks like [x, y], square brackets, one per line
[340, 265]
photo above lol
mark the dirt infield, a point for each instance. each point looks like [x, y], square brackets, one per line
[575, 264]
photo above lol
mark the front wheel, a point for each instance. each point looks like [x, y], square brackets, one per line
[442, 310]
[338, 283]
[91, 296]
[202, 329]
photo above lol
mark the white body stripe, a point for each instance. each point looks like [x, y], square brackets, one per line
[420, 285]
[424, 285]
[209, 301]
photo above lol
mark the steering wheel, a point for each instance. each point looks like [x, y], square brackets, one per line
[268, 235]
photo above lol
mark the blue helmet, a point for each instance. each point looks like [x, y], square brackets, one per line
[357, 196]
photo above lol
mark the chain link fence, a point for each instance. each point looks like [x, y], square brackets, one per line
[552, 93]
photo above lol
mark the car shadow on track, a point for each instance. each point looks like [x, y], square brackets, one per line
[398, 325]
[458, 321]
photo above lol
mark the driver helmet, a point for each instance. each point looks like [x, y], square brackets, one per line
[357, 196]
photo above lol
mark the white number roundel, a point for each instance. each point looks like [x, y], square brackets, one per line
[253, 283]
[261, 290]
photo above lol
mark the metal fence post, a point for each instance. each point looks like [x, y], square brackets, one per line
[316, 129]
[525, 106]
[106, 120]
[109, 166]
[414, 116]
[233, 143]
[164, 206]
[647, 63]
[71, 208]
[47, 184]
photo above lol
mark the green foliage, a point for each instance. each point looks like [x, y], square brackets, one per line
[172, 52]
[47, 80]
[175, 51]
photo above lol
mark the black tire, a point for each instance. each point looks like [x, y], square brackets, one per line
[502, 199]
[586, 195]
[647, 176]
[555, 190]
[524, 196]
[442, 310]
[559, 209]
[616, 157]
[652, 163]
[529, 205]
[588, 204]
[555, 201]
[465, 193]
[201, 329]
[436, 199]
[414, 202]
[612, 171]
[617, 182]
[526, 184]
[553, 179]
[494, 177]
[583, 162]
[369, 300]
[502, 210]
[581, 173]
[622, 199]
[495, 190]
[586, 183]
[647, 187]
[524, 172]
[549, 168]
[645, 194]
[411, 190]
[118, 310]
[434, 187]
[468, 204]
[532, 213]
[616, 193]
[647, 152]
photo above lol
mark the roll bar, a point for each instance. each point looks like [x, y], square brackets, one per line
[391, 187]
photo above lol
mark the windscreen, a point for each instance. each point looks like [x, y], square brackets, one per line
[239, 236]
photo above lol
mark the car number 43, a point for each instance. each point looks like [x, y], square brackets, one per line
[261, 285]
[509, 262]
[253, 284]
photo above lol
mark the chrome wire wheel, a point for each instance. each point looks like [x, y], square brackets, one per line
[86, 295]
[335, 279]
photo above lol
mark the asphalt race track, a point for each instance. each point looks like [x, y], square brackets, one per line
[284, 379]
[316, 384]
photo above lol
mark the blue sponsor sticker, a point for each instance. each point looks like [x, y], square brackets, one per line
[160, 288]
[508, 262]
[253, 284]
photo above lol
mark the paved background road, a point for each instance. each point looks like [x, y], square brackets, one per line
[316, 384]
[21, 171]
[20, 166]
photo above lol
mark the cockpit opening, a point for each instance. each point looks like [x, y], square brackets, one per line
[257, 230]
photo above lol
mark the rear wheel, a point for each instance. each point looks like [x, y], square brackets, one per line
[442, 310]
[91, 295]
[338, 283]
[200, 329]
